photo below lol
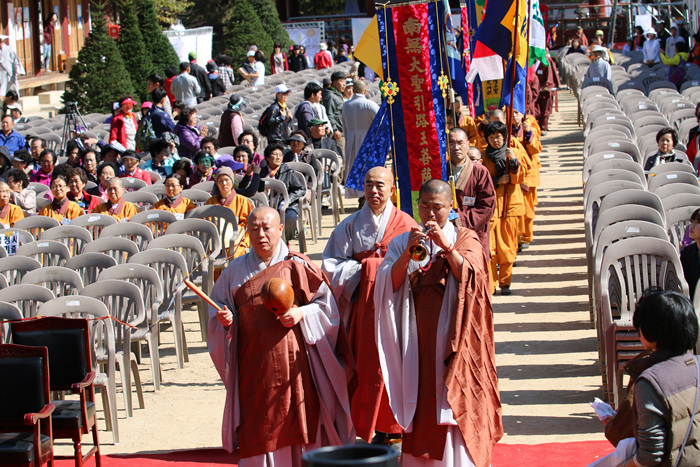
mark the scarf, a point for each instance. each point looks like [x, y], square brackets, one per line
[5, 211]
[498, 157]
[173, 202]
[116, 210]
[228, 200]
[60, 207]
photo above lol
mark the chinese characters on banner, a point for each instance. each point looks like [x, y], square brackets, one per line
[415, 62]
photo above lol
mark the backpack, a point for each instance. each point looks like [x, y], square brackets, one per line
[676, 73]
[145, 133]
[264, 124]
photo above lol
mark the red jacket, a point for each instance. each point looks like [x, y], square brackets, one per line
[323, 59]
[272, 63]
[118, 131]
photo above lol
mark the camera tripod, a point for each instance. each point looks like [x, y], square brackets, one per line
[70, 123]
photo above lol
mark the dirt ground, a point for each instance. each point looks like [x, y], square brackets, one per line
[545, 345]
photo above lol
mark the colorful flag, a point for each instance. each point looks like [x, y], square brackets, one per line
[517, 63]
[455, 57]
[537, 35]
[412, 38]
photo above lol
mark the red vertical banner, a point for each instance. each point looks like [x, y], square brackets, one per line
[411, 36]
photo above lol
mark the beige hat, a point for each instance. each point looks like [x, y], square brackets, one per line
[225, 171]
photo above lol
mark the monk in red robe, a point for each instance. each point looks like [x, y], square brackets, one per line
[435, 339]
[286, 376]
[476, 199]
[354, 251]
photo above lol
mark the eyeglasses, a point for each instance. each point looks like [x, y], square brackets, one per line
[171, 186]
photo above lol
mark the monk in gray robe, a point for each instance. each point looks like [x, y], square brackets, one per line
[354, 251]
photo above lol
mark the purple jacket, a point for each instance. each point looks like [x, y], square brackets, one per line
[190, 140]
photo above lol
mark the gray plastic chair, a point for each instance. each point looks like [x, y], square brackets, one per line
[102, 337]
[74, 238]
[197, 266]
[668, 190]
[94, 223]
[47, 252]
[8, 312]
[198, 197]
[35, 225]
[148, 282]
[593, 159]
[204, 186]
[672, 167]
[133, 184]
[125, 303]
[624, 213]
[311, 199]
[621, 146]
[330, 181]
[612, 175]
[155, 219]
[26, 297]
[143, 200]
[90, 265]
[629, 267]
[672, 178]
[60, 280]
[278, 198]
[594, 194]
[677, 223]
[172, 269]
[226, 223]
[622, 164]
[157, 190]
[13, 268]
[121, 249]
[259, 199]
[625, 197]
[137, 233]
[681, 200]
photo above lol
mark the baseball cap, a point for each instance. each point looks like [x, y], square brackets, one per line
[598, 48]
[192, 55]
[599, 32]
[147, 105]
[251, 53]
[282, 88]
[337, 75]
[316, 121]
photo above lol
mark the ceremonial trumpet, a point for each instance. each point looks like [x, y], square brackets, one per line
[418, 252]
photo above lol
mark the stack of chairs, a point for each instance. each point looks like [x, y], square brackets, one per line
[634, 220]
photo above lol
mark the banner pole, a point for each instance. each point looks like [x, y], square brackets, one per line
[509, 119]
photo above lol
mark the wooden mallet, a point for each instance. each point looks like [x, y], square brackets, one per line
[201, 294]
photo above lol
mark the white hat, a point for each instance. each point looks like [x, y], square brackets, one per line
[598, 48]
[251, 53]
[282, 88]
[323, 46]
[650, 31]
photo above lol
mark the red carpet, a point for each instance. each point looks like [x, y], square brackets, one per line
[577, 454]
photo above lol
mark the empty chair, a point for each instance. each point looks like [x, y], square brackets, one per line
[626, 197]
[665, 191]
[621, 146]
[58, 279]
[197, 266]
[226, 223]
[671, 167]
[204, 186]
[593, 195]
[148, 282]
[8, 313]
[172, 270]
[25, 406]
[121, 249]
[74, 238]
[677, 223]
[47, 252]
[680, 200]
[311, 199]
[90, 265]
[198, 197]
[94, 222]
[125, 303]
[673, 178]
[87, 314]
[626, 212]
[137, 233]
[143, 200]
[622, 164]
[13, 268]
[276, 193]
[133, 184]
[613, 174]
[157, 220]
[27, 298]
[35, 225]
[330, 180]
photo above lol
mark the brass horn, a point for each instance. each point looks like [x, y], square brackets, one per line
[418, 252]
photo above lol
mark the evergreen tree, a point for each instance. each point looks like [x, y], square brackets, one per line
[162, 52]
[99, 76]
[243, 28]
[133, 50]
[270, 19]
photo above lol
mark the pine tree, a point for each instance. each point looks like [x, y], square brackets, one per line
[243, 28]
[270, 19]
[133, 50]
[99, 76]
[162, 52]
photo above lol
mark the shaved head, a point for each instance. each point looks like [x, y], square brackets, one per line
[379, 186]
[497, 115]
[474, 154]
[264, 211]
[436, 187]
[116, 181]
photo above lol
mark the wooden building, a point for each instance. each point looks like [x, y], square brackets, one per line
[23, 21]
